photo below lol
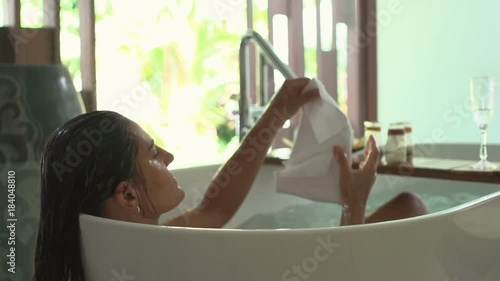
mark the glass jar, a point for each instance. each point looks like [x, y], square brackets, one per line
[395, 147]
[374, 129]
[410, 144]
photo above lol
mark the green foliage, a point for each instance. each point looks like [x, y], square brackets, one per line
[190, 64]
[310, 62]
[70, 18]
[103, 9]
[152, 67]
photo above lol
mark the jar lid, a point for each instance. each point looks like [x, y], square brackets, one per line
[395, 132]
[372, 125]
[396, 129]
[406, 125]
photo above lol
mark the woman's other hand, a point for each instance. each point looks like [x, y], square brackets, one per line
[289, 98]
[355, 185]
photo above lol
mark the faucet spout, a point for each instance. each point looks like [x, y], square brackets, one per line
[247, 112]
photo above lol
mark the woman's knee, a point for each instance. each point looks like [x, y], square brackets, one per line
[408, 197]
[410, 202]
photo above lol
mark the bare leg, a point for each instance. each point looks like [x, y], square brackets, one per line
[404, 205]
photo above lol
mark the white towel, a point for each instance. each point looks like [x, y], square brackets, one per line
[312, 172]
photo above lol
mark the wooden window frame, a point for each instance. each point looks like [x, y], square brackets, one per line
[20, 45]
[360, 16]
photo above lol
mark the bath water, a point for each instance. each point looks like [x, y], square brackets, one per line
[315, 214]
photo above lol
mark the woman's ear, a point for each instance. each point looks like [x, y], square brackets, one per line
[126, 196]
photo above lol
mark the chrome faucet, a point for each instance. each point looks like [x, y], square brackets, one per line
[248, 112]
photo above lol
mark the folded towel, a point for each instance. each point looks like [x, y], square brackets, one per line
[312, 172]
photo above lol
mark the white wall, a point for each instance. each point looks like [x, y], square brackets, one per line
[427, 52]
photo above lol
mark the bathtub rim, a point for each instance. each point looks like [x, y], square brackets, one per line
[360, 227]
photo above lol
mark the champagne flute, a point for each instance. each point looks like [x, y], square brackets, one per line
[482, 100]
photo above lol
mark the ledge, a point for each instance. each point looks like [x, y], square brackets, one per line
[433, 168]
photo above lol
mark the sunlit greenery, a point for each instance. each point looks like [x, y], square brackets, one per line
[190, 62]
[172, 66]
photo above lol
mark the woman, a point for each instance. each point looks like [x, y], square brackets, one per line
[103, 164]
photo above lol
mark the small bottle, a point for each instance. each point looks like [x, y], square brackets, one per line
[410, 144]
[395, 148]
[372, 129]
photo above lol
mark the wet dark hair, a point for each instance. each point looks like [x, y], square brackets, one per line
[82, 163]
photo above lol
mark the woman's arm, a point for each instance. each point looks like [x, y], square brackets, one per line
[355, 185]
[234, 179]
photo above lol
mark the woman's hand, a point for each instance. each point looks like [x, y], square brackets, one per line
[355, 185]
[289, 98]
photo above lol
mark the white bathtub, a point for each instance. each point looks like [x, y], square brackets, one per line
[459, 243]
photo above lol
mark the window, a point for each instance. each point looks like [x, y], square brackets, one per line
[172, 66]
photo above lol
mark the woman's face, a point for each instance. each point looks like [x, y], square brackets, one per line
[162, 188]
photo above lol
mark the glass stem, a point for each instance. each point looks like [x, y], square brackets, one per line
[483, 154]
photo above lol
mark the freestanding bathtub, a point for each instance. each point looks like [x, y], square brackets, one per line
[282, 237]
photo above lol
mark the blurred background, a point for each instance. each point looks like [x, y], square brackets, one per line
[172, 66]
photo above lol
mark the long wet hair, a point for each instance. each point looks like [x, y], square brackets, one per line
[81, 165]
